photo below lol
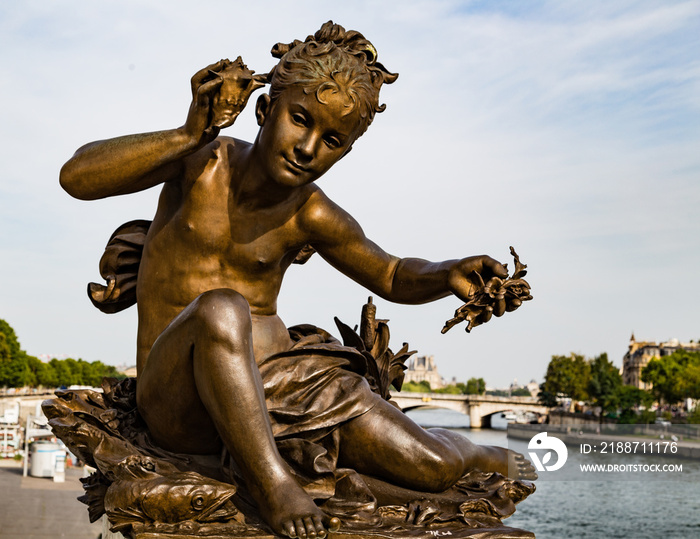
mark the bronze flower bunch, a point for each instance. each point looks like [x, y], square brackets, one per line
[496, 296]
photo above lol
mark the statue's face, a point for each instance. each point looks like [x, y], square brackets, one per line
[301, 138]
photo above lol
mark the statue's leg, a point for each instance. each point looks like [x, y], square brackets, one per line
[201, 380]
[385, 443]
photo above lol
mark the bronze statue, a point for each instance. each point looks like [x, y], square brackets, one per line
[217, 368]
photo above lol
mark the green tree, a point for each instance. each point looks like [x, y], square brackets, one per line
[99, 370]
[694, 416]
[64, 375]
[520, 392]
[604, 384]
[416, 387]
[475, 386]
[630, 400]
[450, 390]
[9, 345]
[14, 363]
[547, 398]
[567, 376]
[18, 369]
[674, 377]
[691, 380]
[35, 367]
[76, 371]
[47, 376]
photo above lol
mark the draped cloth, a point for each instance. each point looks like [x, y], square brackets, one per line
[310, 390]
[119, 266]
[314, 386]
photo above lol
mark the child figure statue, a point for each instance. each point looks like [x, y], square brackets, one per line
[216, 364]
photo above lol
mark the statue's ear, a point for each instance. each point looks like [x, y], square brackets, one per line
[262, 108]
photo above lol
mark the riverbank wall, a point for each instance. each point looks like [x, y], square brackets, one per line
[573, 436]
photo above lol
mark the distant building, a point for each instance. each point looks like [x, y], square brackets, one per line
[533, 387]
[129, 371]
[423, 369]
[640, 353]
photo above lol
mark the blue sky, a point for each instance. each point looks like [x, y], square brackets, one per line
[570, 130]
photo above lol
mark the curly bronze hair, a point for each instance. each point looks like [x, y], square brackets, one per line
[332, 59]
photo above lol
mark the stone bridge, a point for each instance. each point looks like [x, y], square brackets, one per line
[479, 408]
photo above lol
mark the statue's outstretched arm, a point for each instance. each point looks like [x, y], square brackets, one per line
[136, 162]
[340, 240]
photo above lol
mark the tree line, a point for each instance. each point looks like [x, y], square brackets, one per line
[473, 386]
[597, 381]
[19, 369]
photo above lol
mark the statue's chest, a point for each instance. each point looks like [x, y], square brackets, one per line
[213, 224]
[234, 242]
[243, 241]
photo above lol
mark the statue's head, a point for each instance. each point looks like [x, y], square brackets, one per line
[332, 60]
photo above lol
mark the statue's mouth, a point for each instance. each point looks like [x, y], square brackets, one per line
[295, 167]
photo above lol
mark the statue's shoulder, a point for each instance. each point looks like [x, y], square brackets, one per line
[316, 204]
[219, 147]
[222, 153]
[229, 144]
[321, 214]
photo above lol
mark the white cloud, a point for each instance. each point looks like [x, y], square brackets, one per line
[569, 130]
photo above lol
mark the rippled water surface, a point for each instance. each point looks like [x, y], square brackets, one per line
[605, 509]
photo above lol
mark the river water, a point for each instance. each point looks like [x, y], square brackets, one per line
[652, 507]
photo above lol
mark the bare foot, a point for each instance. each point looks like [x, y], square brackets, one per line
[504, 461]
[290, 511]
[519, 465]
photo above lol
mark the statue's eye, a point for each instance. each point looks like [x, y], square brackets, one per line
[198, 502]
[332, 142]
[299, 118]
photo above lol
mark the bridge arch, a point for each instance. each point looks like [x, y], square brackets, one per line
[437, 415]
[479, 408]
[519, 416]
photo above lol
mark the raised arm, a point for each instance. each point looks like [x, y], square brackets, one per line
[339, 239]
[136, 162]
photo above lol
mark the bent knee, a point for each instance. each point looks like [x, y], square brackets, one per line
[224, 314]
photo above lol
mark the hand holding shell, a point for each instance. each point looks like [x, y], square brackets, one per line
[235, 83]
[493, 297]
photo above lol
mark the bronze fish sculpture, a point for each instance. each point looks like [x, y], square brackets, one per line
[171, 499]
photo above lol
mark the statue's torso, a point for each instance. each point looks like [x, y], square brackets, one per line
[203, 239]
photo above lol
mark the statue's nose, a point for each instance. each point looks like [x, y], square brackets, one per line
[305, 148]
